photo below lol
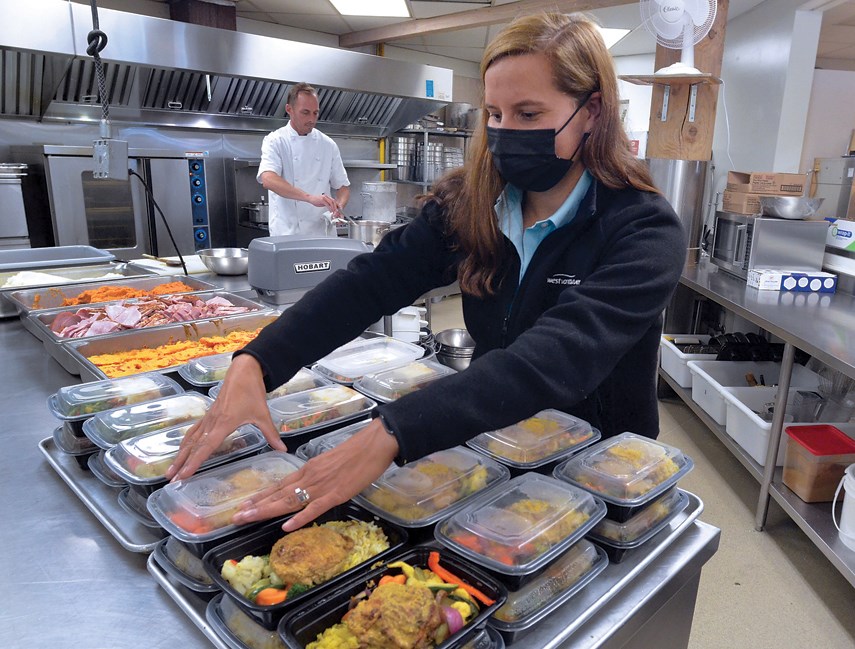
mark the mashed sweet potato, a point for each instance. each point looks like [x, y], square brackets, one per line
[135, 361]
[110, 292]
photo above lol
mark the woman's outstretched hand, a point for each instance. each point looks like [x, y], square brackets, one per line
[242, 400]
[332, 478]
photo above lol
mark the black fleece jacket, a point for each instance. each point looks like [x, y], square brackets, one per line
[580, 334]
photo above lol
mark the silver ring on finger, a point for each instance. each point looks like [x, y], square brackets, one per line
[302, 496]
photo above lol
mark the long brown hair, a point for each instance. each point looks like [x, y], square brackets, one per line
[581, 64]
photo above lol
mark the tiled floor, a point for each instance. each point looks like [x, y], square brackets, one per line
[762, 590]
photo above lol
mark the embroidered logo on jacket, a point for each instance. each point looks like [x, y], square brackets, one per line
[563, 280]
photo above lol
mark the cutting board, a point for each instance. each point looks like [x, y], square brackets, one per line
[193, 262]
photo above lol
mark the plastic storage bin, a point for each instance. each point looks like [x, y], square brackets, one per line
[366, 356]
[317, 408]
[534, 442]
[746, 427]
[627, 471]
[79, 402]
[518, 528]
[709, 378]
[200, 508]
[815, 459]
[106, 429]
[420, 493]
[674, 362]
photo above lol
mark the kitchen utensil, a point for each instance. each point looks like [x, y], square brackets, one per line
[455, 348]
[256, 212]
[370, 232]
[225, 261]
[790, 207]
[169, 261]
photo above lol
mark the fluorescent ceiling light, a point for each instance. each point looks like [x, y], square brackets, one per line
[390, 8]
[612, 36]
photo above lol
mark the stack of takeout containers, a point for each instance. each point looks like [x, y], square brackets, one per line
[73, 405]
[301, 416]
[631, 474]
[328, 441]
[538, 443]
[393, 384]
[303, 380]
[197, 511]
[366, 356]
[247, 555]
[207, 371]
[519, 531]
[306, 623]
[419, 494]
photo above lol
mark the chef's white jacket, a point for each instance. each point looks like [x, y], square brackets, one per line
[310, 162]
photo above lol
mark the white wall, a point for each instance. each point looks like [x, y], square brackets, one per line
[831, 116]
[638, 117]
[767, 69]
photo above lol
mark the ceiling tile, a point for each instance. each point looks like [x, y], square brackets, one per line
[358, 23]
[326, 24]
[321, 7]
[474, 37]
[431, 9]
[472, 54]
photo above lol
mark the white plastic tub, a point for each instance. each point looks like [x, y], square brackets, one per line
[746, 427]
[674, 362]
[709, 378]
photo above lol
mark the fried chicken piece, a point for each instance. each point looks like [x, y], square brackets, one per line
[396, 616]
[309, 556]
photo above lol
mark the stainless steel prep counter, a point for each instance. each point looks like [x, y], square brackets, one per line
[67, 582]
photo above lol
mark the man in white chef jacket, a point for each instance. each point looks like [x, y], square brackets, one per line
[301, 168]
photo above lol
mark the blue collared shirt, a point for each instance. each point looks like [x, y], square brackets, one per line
[509, 211]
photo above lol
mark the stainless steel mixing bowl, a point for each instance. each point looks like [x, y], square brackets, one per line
[790, 207]
[225, 261]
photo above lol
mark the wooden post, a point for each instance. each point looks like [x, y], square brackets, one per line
[677, 138]
[199, 12]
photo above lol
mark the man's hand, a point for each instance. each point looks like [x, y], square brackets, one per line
[322, 200]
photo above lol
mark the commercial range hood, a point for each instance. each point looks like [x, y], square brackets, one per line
[167, 73]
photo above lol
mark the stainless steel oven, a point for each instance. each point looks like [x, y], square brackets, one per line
[119, 215]
[745, 241]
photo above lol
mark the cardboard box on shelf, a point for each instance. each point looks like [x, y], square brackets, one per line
[741, 203]
[779, 279]
[759, 182]
[841, 234]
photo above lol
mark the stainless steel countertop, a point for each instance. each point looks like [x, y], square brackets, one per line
[821, 324]
[67, 583]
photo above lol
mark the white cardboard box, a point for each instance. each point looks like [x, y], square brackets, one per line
[780, 279]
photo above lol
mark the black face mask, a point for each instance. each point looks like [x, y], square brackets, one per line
[526, 158]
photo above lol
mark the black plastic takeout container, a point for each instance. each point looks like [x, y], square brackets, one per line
[303, 625]
[260, 542]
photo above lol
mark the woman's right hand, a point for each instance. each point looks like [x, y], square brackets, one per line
[242, 400]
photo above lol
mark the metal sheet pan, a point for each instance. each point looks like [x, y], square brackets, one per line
[81, 350]
[138, 277]
[38, 323]
[73, 276]
[37, 258]
[101, 500]
[581, 607]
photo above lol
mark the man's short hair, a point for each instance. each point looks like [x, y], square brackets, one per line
[297, 88]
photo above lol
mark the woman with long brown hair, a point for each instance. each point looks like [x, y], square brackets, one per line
[566, 256]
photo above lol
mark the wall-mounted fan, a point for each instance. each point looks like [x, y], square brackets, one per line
[679, 25]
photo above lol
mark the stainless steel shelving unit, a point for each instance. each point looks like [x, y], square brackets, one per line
[427, 135]
[822, 325]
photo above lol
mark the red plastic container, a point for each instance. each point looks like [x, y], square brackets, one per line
[815, 460]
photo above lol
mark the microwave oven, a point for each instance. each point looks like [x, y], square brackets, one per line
[745, 241]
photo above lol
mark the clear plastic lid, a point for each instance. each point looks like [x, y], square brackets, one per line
[201, 507]
[558, 583]
[395, 383]
[237, 629]
[627, 469]
[645, 524]
[421, 492]
[538, 440]
[103, 472]
[318, 407]
[523, 525]
[106, 429]
[303, 380]
[367, 356]
[186, 562]
[207, 370]
[70, 444]
[86, 399]
[324, 443]
[143, 460]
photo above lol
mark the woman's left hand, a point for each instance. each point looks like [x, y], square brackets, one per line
[330, 479]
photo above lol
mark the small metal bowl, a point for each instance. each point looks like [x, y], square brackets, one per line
[455, 342]
[225, 261]
[789, 207]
